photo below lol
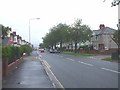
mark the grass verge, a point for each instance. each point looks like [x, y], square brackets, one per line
[78, 54]
[110, 59]
[107, 59]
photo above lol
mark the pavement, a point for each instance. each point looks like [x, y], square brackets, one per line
[29, 74]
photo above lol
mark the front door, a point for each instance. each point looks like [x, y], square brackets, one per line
[101, 47]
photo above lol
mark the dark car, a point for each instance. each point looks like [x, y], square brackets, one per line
[54, 51]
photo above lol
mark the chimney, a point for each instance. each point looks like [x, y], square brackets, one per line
[14, 33]
[20, 37]
[101, 26]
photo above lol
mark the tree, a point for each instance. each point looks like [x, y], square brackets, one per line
[114, 3]
[80, 33]
[41, 45]
[62, 33]
[5, 31]
[57, 35]
[116, 37]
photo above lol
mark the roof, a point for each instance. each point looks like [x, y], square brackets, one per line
[106, 30]
[95, 32]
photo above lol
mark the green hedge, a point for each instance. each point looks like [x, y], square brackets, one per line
[0, 52]
[26, 49]
[13, 53]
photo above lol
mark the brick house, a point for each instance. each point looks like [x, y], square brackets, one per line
[102, 38]
[12, 39]
[0, 34]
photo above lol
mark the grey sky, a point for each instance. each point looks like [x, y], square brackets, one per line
[16, 14]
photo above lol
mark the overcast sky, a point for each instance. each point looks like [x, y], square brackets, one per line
[16, 14]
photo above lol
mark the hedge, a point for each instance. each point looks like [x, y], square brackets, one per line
[13, 53]
[0, 52]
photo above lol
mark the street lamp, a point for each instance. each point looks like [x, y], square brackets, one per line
[29, 25]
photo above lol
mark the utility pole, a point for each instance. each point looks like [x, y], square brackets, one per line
[29, 27]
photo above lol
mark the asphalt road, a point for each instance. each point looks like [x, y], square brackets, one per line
[82, 72]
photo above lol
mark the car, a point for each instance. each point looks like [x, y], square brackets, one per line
[41, 50]
[51, 50]
[54, 51]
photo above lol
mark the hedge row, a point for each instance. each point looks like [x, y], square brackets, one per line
[13, 53]
[0, 52]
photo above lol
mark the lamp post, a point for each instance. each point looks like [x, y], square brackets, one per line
[29, 25]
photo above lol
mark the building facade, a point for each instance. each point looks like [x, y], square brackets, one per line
[102, 38]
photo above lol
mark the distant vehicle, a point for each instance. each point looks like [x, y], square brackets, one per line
[54, 51]
[34, 49]
[41, 50]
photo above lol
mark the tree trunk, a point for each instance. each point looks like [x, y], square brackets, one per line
[75, 47]
[52, 46]
[61, 46]
[55, 46]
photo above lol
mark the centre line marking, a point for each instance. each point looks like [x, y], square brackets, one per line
[86, 63]
[110, 70]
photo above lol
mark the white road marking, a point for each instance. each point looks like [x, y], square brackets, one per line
[92, 57]
[40, 56]
[70, 59]
[47, 64]
[110, 70]
[48, 67]
[85, 63]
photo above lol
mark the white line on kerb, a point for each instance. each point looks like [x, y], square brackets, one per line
[110, 70]
[70, 59]
[86, 63]
[48, 66]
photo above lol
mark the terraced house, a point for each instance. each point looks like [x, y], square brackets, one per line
[0, 34]
[11, 38]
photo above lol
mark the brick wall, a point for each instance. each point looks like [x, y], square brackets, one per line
[7, 68]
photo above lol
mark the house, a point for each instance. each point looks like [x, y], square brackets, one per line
[0, 30]
[102, 38]
[12, 39]
[0, 34]
[23, 42]
[9, 39]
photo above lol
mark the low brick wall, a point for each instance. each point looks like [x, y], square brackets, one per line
[7, 68]
[104, 52]
[11, 67]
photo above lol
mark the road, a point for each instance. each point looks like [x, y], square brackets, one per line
[82, 72]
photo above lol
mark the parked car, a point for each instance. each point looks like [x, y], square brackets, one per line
[54, 51]
[41, 50]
